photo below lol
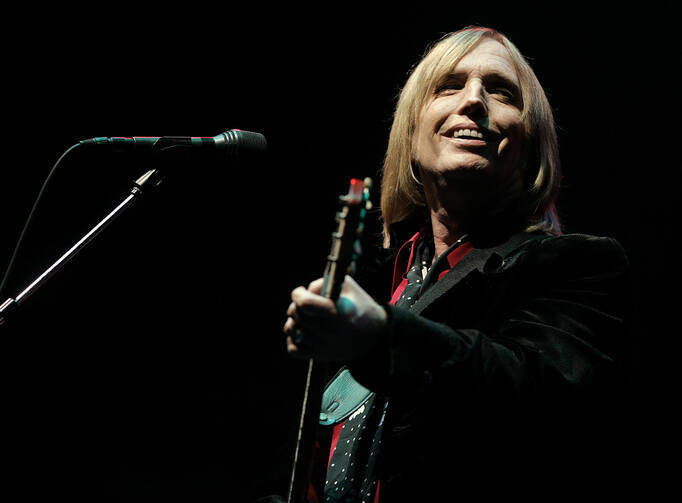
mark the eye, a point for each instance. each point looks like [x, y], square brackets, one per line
[503, 89]
[449, 85]
[448, 89]
[503, 92]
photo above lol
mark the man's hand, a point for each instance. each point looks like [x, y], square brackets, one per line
[318, 328]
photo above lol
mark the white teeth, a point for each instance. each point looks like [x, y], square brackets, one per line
[467, 132]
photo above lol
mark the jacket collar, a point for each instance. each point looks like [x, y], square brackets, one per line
[484, 260]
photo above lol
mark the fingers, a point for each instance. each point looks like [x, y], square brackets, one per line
[289, 325]
[295, 340]
[291, 347]
[310, 302]
[305, 303]
[307, 308]
[316, 286]
[298, 350]
[306, 313]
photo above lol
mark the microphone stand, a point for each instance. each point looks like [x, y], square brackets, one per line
[151, 177]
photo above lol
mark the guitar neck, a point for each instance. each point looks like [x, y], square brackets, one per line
[345, 247]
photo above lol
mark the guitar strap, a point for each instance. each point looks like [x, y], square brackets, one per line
[342, 396]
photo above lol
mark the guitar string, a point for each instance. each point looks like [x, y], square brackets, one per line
[300, 429]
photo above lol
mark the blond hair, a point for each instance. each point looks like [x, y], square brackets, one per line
[401, 193]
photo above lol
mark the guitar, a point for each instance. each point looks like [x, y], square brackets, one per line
[342, 260]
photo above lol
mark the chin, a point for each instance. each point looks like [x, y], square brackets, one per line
[469, 167]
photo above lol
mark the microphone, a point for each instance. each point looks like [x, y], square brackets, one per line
[234, 144]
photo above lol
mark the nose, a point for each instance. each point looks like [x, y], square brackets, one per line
[474, 102]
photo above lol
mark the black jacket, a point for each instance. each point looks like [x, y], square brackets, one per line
[504, 378]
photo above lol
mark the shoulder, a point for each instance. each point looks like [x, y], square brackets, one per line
[582, 245]
[579, 255]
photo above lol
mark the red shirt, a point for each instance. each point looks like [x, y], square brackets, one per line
[407, 256]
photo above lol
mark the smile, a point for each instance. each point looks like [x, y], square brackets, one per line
[467, 133]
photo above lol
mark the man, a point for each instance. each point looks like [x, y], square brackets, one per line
[489, 364]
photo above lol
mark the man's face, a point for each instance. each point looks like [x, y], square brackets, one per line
[473, 121]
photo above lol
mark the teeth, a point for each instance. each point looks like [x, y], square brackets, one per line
[467, 132]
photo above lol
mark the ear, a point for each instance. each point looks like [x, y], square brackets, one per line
[416, 175]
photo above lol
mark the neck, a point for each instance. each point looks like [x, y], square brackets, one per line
[469, 203]
[446, 231]
[454, 207]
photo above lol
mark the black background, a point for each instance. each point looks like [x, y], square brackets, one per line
[152, 366]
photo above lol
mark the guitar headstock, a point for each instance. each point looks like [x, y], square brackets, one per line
[346, 246]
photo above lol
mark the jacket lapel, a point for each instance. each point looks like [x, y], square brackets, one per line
[476, 259]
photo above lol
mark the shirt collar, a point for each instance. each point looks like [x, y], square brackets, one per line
[407, 255]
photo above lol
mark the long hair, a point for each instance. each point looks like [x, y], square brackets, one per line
[401, 193]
